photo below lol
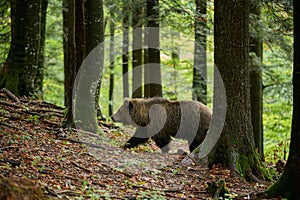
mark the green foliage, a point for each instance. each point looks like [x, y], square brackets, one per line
[277, 78]
[157, 195]
[4, 30]
[53, 73]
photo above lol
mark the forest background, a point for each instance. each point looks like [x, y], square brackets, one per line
[274, 28]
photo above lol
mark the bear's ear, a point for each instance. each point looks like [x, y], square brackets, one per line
[128, 103]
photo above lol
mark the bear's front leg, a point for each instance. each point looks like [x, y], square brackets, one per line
[139, 137]
[162, 140]
[134, 141]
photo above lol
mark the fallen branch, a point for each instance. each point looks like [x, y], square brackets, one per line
[156, 189]
[8, 125]
[86, 143]
[58, 124]
[47, 110]
[11, 104]
[87, 132]
[69, 192]
[41, 103]
[8, 147]
[11, 95]
[81, 167]
[13, 163]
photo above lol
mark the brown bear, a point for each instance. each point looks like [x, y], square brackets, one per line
[162, 119]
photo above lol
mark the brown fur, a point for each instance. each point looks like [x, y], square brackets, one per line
[162, 119]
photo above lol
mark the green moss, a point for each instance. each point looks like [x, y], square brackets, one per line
[243, 165]
[251, 164]
[12, 83]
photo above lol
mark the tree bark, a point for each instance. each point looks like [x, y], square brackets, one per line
[112, 63]
[79, 33]
[235, 148]
[200, 66]
[256, 92]
[88, 80]
[19, 73]
[146, 59]
[175, 62]
[69, 58]
[94, 35]
[32, 49]
[153, 66]
[126, 23]
[40, 69]
[137, 53]
[288, 184]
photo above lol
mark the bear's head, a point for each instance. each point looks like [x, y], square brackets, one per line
[133, 112]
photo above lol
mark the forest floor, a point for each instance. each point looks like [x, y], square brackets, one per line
[34, 147]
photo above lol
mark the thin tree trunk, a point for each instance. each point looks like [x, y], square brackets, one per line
[256, 81]
[40, 70]
[79, 33]
[175, 61]
[200, 66]
[137, 53]
[32, 50]
[153, 65]
[69, 57]
[112, 64]
[146, 59]
[125, 49]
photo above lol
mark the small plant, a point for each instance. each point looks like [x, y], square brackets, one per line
[84, 184]
[33, 118]
[36, 160]
[155, 195]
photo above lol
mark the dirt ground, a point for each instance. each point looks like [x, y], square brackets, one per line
[33, 146]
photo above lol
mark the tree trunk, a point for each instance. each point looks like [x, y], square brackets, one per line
[146, 59]
[79, 33]
[256, 81]
[11, 69]
[69, 58]
[125, 49]
[112, 63]
[19, 72]
[175, 62]
[235, 148]
[288, 184]
[32, 49]
[40, 69]
[94, 35]
[88, 80]
[200, 66]
[153, 66]
[137, 53]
